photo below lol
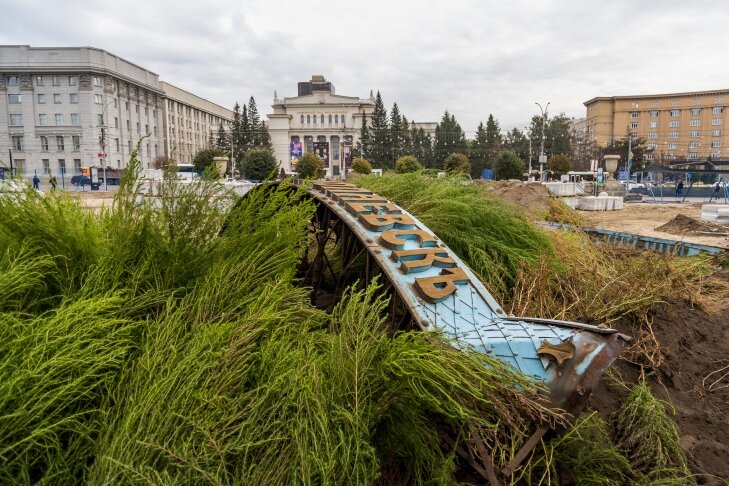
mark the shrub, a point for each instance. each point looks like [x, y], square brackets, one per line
[259, 164]
[204, 158]
[310, 166]
[508, 165]
[361, 166]
[457, 163]
[407, 163]
[560, 164]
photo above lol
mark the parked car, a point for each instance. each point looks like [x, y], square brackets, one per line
[80, 180]
[630, 185]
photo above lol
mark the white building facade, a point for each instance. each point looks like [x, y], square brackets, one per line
[63, 107]
[315, 119]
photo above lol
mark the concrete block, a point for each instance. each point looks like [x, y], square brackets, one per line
[600, 203]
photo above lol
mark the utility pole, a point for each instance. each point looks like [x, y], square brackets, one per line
[10, 152]
[542, 157]
[529, 134]
[630, 152]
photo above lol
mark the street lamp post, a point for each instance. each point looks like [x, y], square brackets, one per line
[529, 134]
[542, 157]
[102, 144]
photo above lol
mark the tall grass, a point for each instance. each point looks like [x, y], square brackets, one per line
[487, 233]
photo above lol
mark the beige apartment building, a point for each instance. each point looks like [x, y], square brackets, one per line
[188, 121]
[676, 126]
[62, 108]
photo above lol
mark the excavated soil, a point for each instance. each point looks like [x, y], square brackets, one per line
[695, 344]
[682, 224]
[532, 197]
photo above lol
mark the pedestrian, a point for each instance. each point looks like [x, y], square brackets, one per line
[679, 189]
[715, 194]
[53, 183]
[36, 182]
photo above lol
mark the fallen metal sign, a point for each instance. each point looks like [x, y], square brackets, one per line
[443, 294]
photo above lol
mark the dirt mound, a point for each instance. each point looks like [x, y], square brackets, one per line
[682, 224]
[694, 378]
[532, 197]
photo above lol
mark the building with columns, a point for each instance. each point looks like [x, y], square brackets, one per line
[60, 107]
[317, 115]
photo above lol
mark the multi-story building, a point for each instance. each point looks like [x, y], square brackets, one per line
[676, 126]
[63, 107]
[189, 121]
[316, 115]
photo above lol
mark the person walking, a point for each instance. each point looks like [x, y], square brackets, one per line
[679, 189]
[36, 182]
[53, 183]
[715, 194]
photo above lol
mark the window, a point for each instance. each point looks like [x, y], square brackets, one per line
[695, 123]
[672, 145]
[75, 120]
[57, 98]
[42, 119]
[634, 105]
[146, 111]
[77, 165]
[694, 133]
[651, 146]
[675, 112]
[675, 103]
[17, 142]
[97, 81]
[716, 133]
[46, 166]
[74, 97]
[672, 134]
[693, 155]
[308, 119]
[330, 119]
[693, 144]
[155, 131]
[39, 80]
[653, 113]
[72, 80]
[62, 165]
[715, 155]
[59, 119]
[116, 144]
[654, 104]
[76, 139]
[16, 120]
[717, 121]
[97, 99]
[696, 101]
[127, 105]
[634, 114]
[138, 129]
[136, 108]
[673, 123]
[129, 146]
[59, 143]
[99, 120]
[56, 80]
[146, 129]
[652, 135]
[44, 144]
[718, 100]
[13, 80]
[715, 144]
[633, 124]
[695, 111]
[149, 151]
[129, 125]
[15, 99]
[322, 119]
[653, 125]
[155, 149]
[41, 98]
[717, 110]
[116, 122]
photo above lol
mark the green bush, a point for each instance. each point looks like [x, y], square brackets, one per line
[259, 164]
[204, 158]
[310, 166]
[508, 165]
[457, 163]
[407, 163]
[361, 166]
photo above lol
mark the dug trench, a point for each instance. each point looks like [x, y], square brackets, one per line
[691, 349]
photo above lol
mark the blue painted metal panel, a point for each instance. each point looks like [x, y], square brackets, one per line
[470, 316]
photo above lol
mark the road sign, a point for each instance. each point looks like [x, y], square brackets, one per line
[101, 155]
[542, 159]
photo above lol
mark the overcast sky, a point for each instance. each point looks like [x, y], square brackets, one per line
[470, 57]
